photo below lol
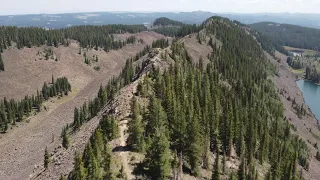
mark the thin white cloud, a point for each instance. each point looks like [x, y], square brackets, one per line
[240, 6]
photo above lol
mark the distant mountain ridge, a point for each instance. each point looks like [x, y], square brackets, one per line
[290, 35]
[195, 17]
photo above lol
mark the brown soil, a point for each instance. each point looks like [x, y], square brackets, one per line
[195, 49]
[62, 160]
[22, 148]
[307, 126]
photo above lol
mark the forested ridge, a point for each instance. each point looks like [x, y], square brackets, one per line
[290, 35]
[163, 21]
[269, 44]
[226, 107]
[12, 111]
[173, 28]
[88, 36]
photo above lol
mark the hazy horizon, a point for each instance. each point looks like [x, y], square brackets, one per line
[80, 12]
[20, 7]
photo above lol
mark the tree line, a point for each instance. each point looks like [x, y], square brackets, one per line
[290, 35]
[309, 63]
[163, 21]
[88, 36]
[177, 31]
[296, 63]
[160, 43]
[12, 111]
[312, 74]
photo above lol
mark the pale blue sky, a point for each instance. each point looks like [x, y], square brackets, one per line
[239, 6]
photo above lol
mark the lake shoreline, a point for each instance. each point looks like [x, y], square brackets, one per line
[304, 96]
[299, 77]
[304, 79]
[306, 127]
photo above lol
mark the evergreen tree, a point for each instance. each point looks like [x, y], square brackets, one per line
[216, 170]
[136, 129]
[46, 158]
[102, 95]
[157, 160]
[107, 161]
[93, 167]
[109, 127]
[194, 151]
[242, 170]
[156, 117]
[1, 63]
[65, 138]
[76, 120]
[318, 156]
[79, 172]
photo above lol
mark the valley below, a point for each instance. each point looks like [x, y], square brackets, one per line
[22, 147]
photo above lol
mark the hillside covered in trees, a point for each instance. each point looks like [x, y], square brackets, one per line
[163, 21]
[88, 36]
[173, 28]
[12, 111]
[199, 112]
[308, 63]
[290, 35]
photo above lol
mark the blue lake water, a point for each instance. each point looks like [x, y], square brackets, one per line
[311, 94]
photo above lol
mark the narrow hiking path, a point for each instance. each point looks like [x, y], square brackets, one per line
[122, 109]
[123, 127]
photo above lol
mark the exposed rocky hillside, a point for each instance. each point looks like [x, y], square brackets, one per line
[22, 147]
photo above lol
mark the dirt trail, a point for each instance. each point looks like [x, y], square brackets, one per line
[124, 154]
[122, 108]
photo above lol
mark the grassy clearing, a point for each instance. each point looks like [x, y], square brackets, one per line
[297, 71]
[70, 96]
[306, 51]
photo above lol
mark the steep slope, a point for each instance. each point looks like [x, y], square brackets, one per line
[306, 126]
[22, 147]
[25, 73]
[290, 35]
